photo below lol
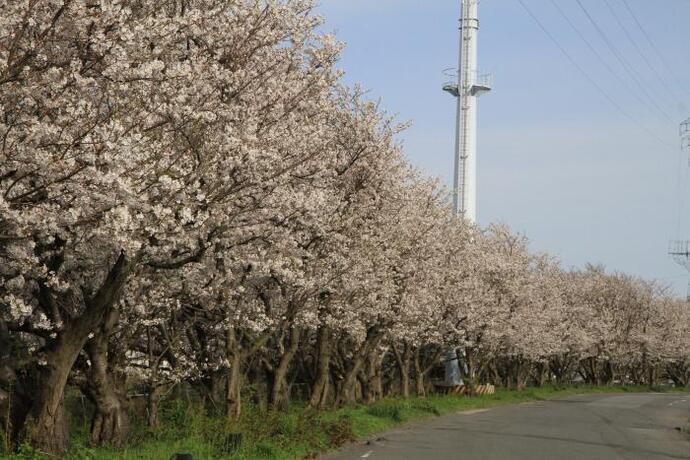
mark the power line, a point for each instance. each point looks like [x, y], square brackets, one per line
[644, 57]
[589, 78]
[653, 45]
[626, 66]
[601, 59]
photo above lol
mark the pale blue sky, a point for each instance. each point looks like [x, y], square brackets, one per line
[557, 161]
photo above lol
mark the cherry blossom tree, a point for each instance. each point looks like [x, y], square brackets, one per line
[136, 135]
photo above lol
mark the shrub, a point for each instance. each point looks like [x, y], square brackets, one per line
[340, 431]
[392, 411]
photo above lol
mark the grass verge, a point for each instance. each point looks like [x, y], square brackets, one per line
[296, 434]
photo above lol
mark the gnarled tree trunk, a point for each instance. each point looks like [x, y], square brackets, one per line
[110, 422]
[46, 424]
[347, 393]
[46, 427]
[372, 384]
[404, 360]
[319, 394]
[420, 372]
[279, 390]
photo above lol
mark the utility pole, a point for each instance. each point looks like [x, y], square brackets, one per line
[467, 85]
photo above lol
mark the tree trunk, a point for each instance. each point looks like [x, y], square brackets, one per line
[605, 374]
[419, 386]
[421, 372]
[152, 402]
[214, 391]
[540, 374]
[348, 389]
[377, 380]
[590, 371]
[679, 372]
[110, 422]
[319, 395]
[561, 368]
[419, 376]
[279, 391]
[404, 362]
[523, 369]
[46, 428]
[233, 390]
[372, 386]
[405, 380]
[472, 365]
[493, 366]
[484, 373]
[15, 397]
[46, 425]
[651, 372]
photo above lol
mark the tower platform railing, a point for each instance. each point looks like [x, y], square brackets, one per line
[481, 82]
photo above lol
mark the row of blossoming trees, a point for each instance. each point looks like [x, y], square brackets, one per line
[188, 196]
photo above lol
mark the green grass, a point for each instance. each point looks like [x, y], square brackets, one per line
[298, 433]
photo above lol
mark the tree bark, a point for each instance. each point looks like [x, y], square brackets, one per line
[472, 366]
[561, 367]
[152, 402]
[46, 428]
[377, 380]
[419, 376]
[237, 355]
[421, 372]
[372, 385]
[347, 394]
[319, 394]
[607, 373]
[233, 391]
[15, 397]
[404, 362]
[679, 372]
[493, 366]
[540, 374]
[419, 386]
[279, 390]
[216, 384]
[651, 373]
[110, 423]
[521, 371]
[589, 371]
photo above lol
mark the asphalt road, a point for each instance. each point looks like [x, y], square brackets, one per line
[620, 426]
